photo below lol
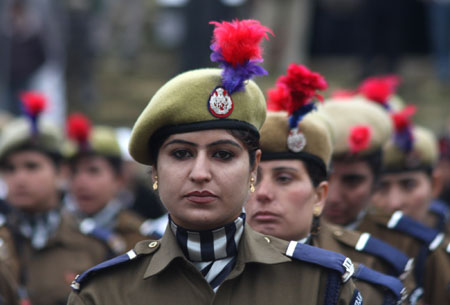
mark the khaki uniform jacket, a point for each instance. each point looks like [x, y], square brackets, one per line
[8, 286]
[160, 274]
[8, 253]
[49, 271]
[128, 226]
[337, 239]
[435, 287]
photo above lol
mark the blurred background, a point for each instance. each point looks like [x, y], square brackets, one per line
[107, 58]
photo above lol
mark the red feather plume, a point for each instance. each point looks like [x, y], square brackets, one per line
[359, 138]
[78, 128]
[379, 89]
[34, 102]
[239, 40]
[277, 98]
[302, 85]
[402, 119]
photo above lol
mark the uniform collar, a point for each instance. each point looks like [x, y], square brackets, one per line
[253, 248]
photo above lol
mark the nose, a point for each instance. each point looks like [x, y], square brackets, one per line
[394, 200]
[334, 193]
[264, 192]
[201, 169]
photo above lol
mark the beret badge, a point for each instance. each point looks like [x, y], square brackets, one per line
[220, 103]
[296, 140]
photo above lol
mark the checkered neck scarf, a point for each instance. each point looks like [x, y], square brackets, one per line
[212, 252]
[39, 228]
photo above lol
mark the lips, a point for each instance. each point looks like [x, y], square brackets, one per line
[201, 197]
[265, 216]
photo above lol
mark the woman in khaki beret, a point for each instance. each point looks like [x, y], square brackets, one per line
[200, 135]
[292, 185]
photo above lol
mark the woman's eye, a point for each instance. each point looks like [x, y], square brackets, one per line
[181, 154]
[284, 179]
[223, 155]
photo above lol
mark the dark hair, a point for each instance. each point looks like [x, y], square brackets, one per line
[374, 160]
[315, 173]
[248, 138]
[54, 157]
[115, 162]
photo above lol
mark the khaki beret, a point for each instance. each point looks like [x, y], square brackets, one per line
[102, 141]
[19, 132]
[424, 152]
[313, 127]
[183, 105]
[350, 114]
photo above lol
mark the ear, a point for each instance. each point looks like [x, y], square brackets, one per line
[154, 173]
[254, 169]
[321, 196]
[437, 183]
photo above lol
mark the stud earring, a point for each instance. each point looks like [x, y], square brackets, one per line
[252, 185]
[155, 184]
[317, 211]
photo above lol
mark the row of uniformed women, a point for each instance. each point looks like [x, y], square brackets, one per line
[199, 133]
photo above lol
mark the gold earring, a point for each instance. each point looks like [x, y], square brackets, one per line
[317, 211]
[155, 184]
[252, 185]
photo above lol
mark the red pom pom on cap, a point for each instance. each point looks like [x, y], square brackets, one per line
[379, 89]
[34, 102]
[402, 119]
[359, 138]
[78, 128]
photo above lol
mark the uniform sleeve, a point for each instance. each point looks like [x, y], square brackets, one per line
[350, 294]
[75, 299]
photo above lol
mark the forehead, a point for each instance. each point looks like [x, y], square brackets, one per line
[274, 165]
[411, 175]
[27, 155]
[359, 167]
[203, 137]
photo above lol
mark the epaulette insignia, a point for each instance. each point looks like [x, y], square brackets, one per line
[391, 283]
[409, 226]
[321, 257]
[81, 278]
[401, 263]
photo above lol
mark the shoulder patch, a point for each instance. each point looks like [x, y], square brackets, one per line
[414, 228]
[391, 283]
[325, 258]
[376, 247]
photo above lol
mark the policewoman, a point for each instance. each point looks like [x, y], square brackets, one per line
[97, 177]
[47, 245]
[292, 187]
[200, 134]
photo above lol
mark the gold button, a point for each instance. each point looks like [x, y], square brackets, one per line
[338, 233]
[267, 239]
[153, 244]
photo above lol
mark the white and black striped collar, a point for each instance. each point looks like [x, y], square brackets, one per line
[210, 245]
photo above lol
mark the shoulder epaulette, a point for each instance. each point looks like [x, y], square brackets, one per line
[376, 247]
[81, 278]
[413, 228]
[391, 283]
[321, 257]
[439, 207]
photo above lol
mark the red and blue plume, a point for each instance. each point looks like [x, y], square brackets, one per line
[403, 136]
[33, 104]
[296, 91]
[379, 89]
[79, 129]
[236, 46]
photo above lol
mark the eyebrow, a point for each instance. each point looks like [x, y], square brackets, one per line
[220, 142]
[284, 168]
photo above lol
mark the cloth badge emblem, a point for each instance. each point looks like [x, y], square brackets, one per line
[220, 103]
[296, 140]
